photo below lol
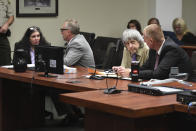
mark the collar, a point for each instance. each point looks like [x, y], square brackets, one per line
[160, 49]
[72, 38]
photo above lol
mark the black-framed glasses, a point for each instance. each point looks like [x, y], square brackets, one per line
[62, 29]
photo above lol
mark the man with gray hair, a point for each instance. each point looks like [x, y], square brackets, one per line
[135, 50]
[78, 51]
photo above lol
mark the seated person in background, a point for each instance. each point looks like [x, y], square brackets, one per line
[182, 33]
[78, 51]
[134, 24]
[33, 36]
[135, 50]
[163, 55]
[166, 33]
[153, 21]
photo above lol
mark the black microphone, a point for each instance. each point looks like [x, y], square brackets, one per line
[94, 76]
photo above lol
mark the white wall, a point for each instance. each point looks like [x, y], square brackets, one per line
[167, 11]
[188, 13]
[103, 17]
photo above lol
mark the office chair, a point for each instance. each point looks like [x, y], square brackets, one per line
[107, 52]
[90, 37]
[113, 56]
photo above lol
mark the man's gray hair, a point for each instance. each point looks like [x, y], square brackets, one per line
[132, 34]
[73, 26]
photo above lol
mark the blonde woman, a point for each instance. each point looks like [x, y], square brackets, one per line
[182, 32]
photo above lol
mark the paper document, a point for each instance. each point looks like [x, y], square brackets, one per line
[166, 89]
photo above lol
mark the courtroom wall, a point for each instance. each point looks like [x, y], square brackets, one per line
[103, 17]
[188, 13]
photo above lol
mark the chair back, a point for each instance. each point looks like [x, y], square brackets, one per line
[105, 48]
[90, 37]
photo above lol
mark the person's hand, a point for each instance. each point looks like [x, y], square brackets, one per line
[4, 28]
[124, 72]
[115, 68]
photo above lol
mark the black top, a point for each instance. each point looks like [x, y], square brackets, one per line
[188, 39]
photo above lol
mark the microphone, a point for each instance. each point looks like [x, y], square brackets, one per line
[94, 76]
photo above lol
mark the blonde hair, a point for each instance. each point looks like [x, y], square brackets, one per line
[180, 22]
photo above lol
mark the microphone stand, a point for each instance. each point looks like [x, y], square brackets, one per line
[111, 90]
[95, 77]
[46, 70]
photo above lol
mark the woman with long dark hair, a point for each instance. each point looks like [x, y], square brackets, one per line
[32, 37]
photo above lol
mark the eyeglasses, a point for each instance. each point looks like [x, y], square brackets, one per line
[62, 29]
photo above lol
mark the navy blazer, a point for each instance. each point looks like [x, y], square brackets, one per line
[171, 56]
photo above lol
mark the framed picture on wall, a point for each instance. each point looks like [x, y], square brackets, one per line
[36, 8]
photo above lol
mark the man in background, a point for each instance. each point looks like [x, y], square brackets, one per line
[6, 19]
[78, 51]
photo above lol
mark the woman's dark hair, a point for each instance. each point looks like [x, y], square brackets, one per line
[151, 19]
[30, 31]
[137, 24]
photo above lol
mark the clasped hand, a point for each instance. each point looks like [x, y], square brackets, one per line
[121, 71]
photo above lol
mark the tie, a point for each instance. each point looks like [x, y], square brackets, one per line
[134, 57]
[156, 62]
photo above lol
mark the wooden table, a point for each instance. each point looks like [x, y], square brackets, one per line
[189, 49]
[22, 95]
[129, 111]
[22, 102]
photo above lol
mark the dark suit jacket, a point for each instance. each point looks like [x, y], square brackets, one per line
[26, 48]
[171, 56]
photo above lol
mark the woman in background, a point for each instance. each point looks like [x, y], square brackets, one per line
[134, 24]
[153, 21]
[33, 36]
[182, 33]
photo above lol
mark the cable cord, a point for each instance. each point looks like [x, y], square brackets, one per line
[107, 80]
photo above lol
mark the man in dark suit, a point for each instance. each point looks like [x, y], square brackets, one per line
[164, 54]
